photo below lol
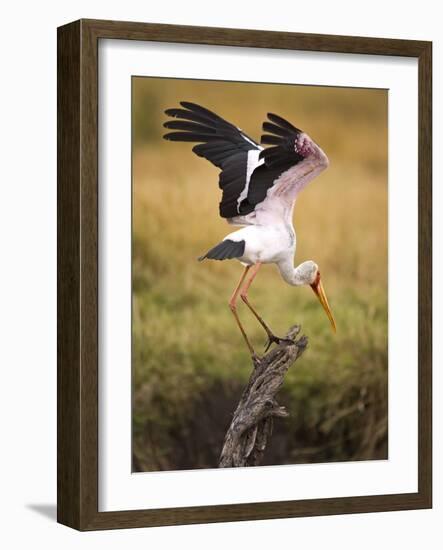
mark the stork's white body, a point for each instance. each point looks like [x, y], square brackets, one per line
[266, 243]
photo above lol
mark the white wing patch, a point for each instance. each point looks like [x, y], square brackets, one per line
[252, 164]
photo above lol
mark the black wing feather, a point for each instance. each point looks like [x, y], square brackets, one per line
[282, 134]
[202, 111]
[274, 129]
[282, 123]
[188, 126]
[271, 140]
[226, 250]
[190, 136]
[186, 115]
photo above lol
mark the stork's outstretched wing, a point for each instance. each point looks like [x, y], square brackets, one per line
[292, 161]
[223, 144]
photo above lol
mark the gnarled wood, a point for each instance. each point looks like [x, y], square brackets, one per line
[251, 427]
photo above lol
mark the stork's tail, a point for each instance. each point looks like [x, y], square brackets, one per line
[226, 250]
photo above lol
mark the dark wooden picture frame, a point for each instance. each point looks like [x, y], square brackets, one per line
[77, 173]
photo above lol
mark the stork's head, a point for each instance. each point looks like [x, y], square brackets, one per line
[311, 276]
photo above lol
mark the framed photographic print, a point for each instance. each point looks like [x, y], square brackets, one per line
[244, 274]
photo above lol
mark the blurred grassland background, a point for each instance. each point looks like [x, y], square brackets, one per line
[189, 360]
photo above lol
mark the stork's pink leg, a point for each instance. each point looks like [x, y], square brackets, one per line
[244, 296]
[233, 306]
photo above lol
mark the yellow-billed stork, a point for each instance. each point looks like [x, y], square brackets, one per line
[259, 188]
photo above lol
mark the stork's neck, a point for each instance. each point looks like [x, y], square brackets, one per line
[296, 276]
[289, 273]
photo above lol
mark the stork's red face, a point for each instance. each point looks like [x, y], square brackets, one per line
[317, 287]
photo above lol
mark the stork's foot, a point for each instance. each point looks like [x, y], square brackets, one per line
[272, 339]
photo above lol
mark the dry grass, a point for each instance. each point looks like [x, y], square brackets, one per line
[185, 341]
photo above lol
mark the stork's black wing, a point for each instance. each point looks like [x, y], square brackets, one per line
[223, 144]
[292, 154]
[281, 134]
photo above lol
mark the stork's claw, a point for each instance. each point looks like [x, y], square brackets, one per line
[272, 339]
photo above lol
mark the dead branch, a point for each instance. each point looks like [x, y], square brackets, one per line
[251, 427]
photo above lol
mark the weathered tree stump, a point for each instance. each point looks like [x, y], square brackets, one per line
[251, 427]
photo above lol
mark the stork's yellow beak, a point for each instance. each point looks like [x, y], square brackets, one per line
[317, 287]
